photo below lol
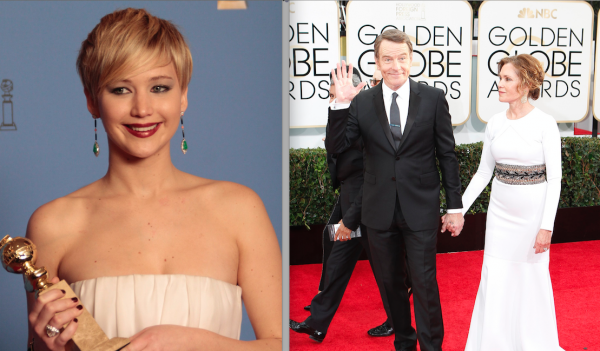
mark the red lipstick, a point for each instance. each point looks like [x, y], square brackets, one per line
[142, 130]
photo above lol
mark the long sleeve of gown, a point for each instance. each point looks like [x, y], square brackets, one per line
[484, 172]
[552, 156]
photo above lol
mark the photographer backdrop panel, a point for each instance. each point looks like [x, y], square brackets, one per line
[233, 123]
[473, 129]
[314, 50]
[440, 32]
[558, 33]
[596, 90]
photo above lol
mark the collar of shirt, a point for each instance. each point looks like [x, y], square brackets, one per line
[403, 92]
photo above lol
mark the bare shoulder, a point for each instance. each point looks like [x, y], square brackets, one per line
[48, 222]
[235, 205]
[52, 226]
[232, 197]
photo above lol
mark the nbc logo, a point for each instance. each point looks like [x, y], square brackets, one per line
[541, 13]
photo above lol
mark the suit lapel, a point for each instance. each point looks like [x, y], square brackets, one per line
[381, 115]
[413, 110]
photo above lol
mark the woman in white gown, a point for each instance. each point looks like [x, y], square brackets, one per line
[155, 254]
[514, 308]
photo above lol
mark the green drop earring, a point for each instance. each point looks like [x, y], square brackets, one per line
[96, 148]
[184, 146]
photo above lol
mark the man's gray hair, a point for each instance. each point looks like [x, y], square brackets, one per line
[395, 35]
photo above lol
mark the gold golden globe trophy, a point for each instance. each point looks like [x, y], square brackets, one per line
[18, 256]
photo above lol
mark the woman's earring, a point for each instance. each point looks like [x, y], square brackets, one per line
[183, 142]
[96, 148]
[524, 99]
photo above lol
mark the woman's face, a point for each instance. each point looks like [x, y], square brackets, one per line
[508, 86]
[141, 113]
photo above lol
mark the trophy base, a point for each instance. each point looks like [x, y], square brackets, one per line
[89, 336]
[6, 127]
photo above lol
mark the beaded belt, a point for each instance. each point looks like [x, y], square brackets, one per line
[520, 175]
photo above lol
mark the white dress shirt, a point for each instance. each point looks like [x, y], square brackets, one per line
[402, 100]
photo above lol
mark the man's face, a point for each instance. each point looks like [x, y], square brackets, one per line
[394, 62]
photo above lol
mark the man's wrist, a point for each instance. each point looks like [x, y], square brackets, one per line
[335, 105]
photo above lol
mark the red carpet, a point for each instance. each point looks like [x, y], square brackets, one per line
[575, 272]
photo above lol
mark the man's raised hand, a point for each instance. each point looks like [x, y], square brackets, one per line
[345, 91]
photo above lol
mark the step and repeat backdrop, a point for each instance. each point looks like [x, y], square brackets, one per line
[314, 51]
[558, 33]
[441, 43]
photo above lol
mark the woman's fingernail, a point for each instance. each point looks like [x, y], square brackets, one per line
[75, 320]
[74, 299]
[64, 292]
[79, 307]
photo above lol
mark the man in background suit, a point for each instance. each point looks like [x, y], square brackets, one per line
[405, 127]
[336, 215]
[346, 171]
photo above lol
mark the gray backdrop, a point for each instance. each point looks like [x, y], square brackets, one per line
[233, 124]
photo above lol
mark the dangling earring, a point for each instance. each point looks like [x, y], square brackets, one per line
[183, 142]
[524, 99]
[96, 148]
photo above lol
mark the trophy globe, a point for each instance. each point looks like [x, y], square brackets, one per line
[6, 86]
[18, 256]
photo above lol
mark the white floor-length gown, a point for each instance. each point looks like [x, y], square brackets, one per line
[514, 308]
[124, 305]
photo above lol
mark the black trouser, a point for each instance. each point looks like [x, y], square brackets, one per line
[335, 218]
[340, 266]
[387, 250]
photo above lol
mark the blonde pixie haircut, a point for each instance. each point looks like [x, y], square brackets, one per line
[124, 42]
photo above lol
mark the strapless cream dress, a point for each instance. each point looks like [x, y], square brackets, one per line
[125, 305]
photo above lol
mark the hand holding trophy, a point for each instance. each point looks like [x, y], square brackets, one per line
[18, 256]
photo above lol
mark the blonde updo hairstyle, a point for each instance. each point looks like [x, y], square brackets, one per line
[530, 72]
[124, 42]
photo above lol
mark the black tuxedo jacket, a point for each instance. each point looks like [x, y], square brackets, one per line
[346, 170]
[409, 172]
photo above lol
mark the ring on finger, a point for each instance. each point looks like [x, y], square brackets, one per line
[545, 249]
[51, 331]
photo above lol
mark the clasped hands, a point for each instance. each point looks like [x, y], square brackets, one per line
[453, 222]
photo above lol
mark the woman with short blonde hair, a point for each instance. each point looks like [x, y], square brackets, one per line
[151, 251]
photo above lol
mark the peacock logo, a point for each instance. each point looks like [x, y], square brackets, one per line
[526, 13]
[539, 13]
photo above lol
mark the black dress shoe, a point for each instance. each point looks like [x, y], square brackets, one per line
[414, 348]
[304, 328]
[382, 330]
[307, 308]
